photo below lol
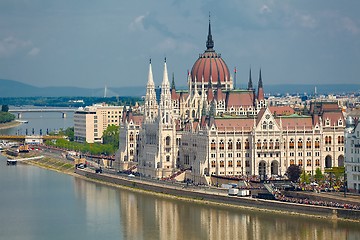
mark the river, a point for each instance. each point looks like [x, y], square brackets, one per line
[42, 204]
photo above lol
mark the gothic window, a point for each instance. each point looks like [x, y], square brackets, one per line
[230, 145]
[317, 143]
[264, 125]
[265, 144]
[271, 144]
[213, 145]
[292, 162]
[238, 144]
[340, 139]
[328, 140]
[247, 163]
[230, 163]
[308, 163]
[222, 163]
[308, 143]
[300, 162]
[213, 164]
[131, 152]
[291, 144]
[238, 163]
[258, 144]
[167, 141]
[131, 138]
[221, 145]
[270, 125]
[300, 143]
[277, 144]
[247, 144]
[317, 162]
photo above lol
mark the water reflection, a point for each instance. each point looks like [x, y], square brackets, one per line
[144, 216]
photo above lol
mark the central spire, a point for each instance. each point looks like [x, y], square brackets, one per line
[209, 42]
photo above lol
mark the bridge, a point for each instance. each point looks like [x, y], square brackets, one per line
[63, 111]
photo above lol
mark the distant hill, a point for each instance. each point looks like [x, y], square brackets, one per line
[11, 88]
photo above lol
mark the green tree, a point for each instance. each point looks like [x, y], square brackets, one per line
[111, 136]
[305, 178]
[318, 175]
[293, 172]
[5, 108]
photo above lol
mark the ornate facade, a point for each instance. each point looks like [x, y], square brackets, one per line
[214, 129]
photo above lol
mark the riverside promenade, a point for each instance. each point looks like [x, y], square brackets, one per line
[220, 197]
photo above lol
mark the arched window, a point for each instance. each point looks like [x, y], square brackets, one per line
[221, 145]
[230, 163]
[238, 163]
[292, 162]
[247, 144]
[131, 152]
[213, 145]
[300, 143]
[264, 125]
[230, 145]
[308, 143]
[291, 144]
[271, 144]
[277, 144]
[238, 144]
[308, 162]
[258, 144]
[167, 141]
[265, 144]
[317, 162]
[131, 138]
[222, 163]
[213, 164]
[300, 162]
[270, 125]
[317, 143]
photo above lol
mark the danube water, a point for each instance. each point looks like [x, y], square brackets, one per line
[42, 204]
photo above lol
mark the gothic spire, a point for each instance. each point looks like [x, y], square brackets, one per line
[209, 42]
[260, 85]
[250, 85]
[173, 82]
[150, 82]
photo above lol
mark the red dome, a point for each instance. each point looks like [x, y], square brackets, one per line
[210, 65]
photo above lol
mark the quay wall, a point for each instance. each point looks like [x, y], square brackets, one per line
[254, 203]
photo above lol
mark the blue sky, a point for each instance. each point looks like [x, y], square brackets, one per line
[96, 43]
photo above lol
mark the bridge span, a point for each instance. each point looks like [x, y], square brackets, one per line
[20, 111]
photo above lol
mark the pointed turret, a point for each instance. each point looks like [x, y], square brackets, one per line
[173, 82]
[260, 96]
[250, 85]
[165, 97]
[209, 42]
[150, 97]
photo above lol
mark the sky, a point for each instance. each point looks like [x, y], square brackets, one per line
[93, 43]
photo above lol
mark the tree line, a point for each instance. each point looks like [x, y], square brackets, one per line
[5, 116]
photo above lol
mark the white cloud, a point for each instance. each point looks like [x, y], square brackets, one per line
[10, 45]
[34, 51]
[137, 23]
[307, 21]
[350, 25]
[265, 9]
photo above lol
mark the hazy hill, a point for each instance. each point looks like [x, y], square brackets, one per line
[10, 88]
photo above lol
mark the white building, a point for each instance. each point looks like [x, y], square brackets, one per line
[352, 153]
[90, 122]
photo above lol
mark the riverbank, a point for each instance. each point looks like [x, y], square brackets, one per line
[9, 124]
[203, 195]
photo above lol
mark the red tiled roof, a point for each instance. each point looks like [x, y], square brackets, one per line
[237, 124]
[281, 110]
[240, 98]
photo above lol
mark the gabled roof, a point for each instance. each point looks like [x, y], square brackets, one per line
[334, 117]
[240, 98]
[295, 121]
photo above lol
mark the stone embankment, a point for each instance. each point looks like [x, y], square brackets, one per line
[222, 198]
